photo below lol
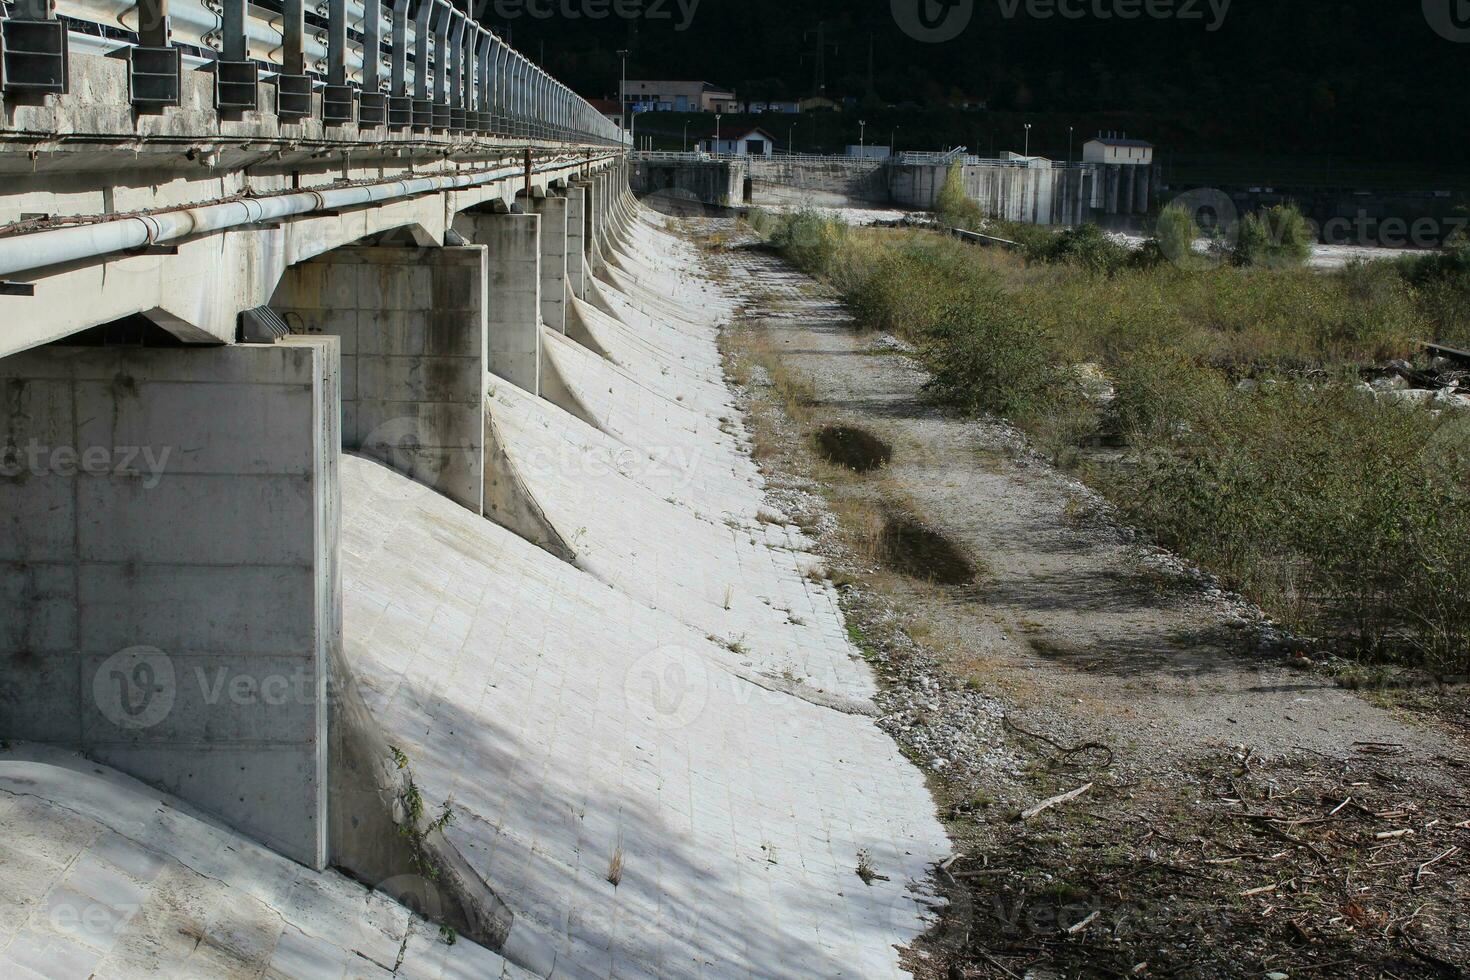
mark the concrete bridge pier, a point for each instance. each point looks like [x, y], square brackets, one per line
[168, 570]
[555, 215]
[577, 221]
[412, 324]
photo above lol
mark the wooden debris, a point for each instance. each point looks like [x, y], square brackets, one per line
[1045, 805]
[1073, 930]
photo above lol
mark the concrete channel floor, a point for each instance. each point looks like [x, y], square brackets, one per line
[102, 876]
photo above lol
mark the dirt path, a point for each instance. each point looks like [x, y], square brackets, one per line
[1077, 656]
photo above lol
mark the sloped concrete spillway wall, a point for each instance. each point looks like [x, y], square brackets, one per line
[521, 662]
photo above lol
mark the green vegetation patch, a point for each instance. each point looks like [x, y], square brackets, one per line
[1234, 381]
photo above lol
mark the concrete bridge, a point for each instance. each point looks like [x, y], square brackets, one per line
[231, 247]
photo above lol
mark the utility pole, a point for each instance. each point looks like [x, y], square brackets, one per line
[686, 136]
[872, 87]
[819, 82]
[623, 93]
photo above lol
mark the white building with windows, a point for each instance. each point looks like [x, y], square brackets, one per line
[1111, 148]
[756, 143]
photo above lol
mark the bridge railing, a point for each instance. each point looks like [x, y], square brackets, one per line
[418, 65]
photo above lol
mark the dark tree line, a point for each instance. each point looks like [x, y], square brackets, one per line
[1368, 79]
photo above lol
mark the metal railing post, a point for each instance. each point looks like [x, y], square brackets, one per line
[454, 91]
[442, 16]
[423, 100]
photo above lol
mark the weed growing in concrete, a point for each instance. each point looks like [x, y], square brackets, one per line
[412, 824]
[615, 867]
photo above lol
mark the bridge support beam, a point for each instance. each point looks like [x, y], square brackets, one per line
[412, 323]
[168, 567]
[513, 322]
[555, 260]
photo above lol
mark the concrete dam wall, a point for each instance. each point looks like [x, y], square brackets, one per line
[1036, 194]
[832, 181]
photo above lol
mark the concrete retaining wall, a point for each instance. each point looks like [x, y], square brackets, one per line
[168, 571]
[837, 183]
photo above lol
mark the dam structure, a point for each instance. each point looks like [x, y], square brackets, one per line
[386, 586]
[1026, 190]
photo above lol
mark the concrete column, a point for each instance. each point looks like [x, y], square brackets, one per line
[513, 322]
[413, 327]
[554, 261]
[577, 240]
[168, 554]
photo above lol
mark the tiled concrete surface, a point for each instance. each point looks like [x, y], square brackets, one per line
[101, 876]
[567, 719]
[578, 713]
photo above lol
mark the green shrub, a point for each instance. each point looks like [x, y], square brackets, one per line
[809, 240]
[1086, 246]
[1343, 517]
[1175, 235]
[985, 357]
[1279, 237]
[955, 207]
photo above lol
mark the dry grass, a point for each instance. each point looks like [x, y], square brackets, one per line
[615, 867]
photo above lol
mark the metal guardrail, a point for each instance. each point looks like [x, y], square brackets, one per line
[404, 64]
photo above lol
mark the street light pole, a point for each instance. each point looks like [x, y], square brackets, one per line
[716, 146]
[1027, 151]
[1069, 144]
[893, 141]
[791, 140]
[623, 93]
[686, 136]
[862, 137]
